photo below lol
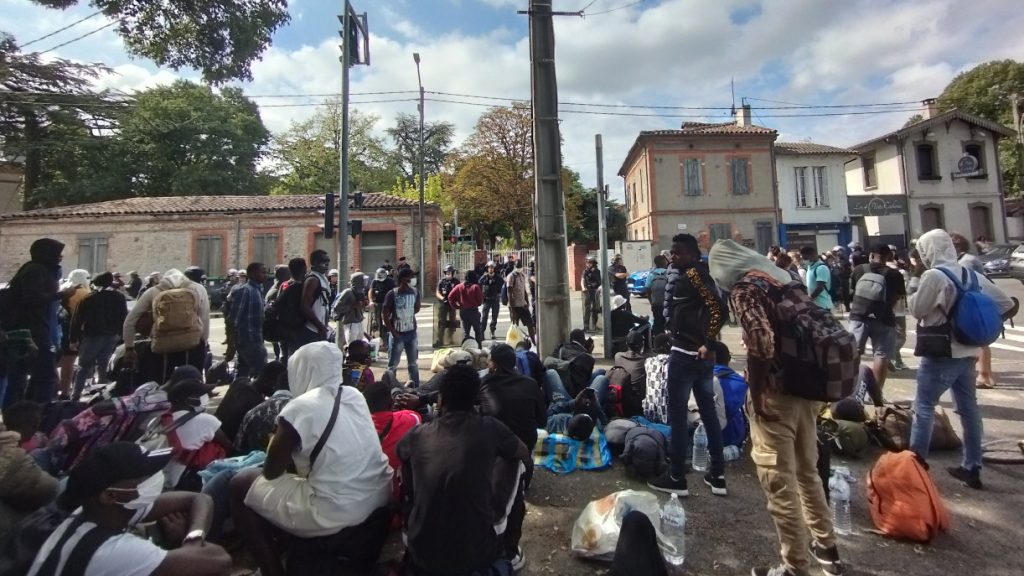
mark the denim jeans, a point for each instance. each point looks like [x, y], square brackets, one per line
[93, 352]
[934, 377]
[408, 342]
[252, 355]
[685, 374]
[33, 378]
[558, 399]
[217, 489]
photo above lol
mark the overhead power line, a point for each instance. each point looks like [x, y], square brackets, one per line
[59, 30]
[77, 38]
[610, 10]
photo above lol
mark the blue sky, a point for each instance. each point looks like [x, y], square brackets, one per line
[653, 53]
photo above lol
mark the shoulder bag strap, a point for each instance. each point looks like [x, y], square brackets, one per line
[174, 425]
[327, 431]
[387, 428]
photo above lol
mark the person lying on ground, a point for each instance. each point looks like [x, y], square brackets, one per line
[575, 417]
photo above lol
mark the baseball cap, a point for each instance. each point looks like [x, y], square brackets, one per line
[108, 465]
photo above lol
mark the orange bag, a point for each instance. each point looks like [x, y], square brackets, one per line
[903, 500]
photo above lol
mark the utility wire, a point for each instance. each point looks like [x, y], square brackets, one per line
[59, 30]
[609, 11]
[77, 38]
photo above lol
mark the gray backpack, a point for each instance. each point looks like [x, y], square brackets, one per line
[646, 453]
[615, 432]
[656, 282]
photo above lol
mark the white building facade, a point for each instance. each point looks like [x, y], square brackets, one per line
[812, 195]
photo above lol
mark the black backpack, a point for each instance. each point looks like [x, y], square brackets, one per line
[286, 311]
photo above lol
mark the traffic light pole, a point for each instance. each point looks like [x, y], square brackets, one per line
[346, 63]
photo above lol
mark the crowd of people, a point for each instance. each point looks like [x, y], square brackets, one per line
[311, 461]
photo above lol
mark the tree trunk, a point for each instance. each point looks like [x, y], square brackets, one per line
[517, 236]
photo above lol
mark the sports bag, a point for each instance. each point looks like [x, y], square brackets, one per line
[176, 325]
[818, 358]
[975, 316]
[903, 500]
[868, 293]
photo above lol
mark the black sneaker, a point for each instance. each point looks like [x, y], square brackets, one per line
[970, 478]
[666, 483]
[717, 484]
[780, 570]
[828, 558]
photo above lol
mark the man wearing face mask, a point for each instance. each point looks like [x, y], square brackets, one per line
[114, 488]
[194, 431]
[316, 291]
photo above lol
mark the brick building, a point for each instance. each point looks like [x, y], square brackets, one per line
[215, 232]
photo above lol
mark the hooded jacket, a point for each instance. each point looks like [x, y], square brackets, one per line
[693, 310]
[349, 307]
[173, 278]
[936, 294]
[34, 293]
[23, 485]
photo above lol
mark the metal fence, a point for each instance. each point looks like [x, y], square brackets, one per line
[463, 260]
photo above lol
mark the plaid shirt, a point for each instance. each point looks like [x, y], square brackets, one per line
[260, 422]
[247, 312]
[755, 312]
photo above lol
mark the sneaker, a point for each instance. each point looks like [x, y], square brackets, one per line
[781, 570]
[970, 478]
[666, 483]
[717, 484]
[828, 558]
[519, 560]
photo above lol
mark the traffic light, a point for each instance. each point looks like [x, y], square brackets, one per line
[355, 228]
[329, 215]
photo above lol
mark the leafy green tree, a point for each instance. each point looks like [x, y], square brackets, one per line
[437, 143]
[307, 158]
[221, 38]
[987, 91]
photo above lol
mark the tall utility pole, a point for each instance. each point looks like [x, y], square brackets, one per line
[352, 26]
[553, 319]
[423, 178]
[602, 237]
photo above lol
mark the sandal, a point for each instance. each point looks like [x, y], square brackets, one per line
[985, 384]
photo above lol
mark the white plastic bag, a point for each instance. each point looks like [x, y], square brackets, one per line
[514, 335]
[596, 532]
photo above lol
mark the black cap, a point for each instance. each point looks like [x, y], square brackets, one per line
[108, 465]
[504, 357]
[881, 249]
[580, 427]
[190, 388]
[195, 273]
[182, 373]
[578, 335]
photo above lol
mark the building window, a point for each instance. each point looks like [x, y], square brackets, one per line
[210, 255]
[720, 232]
[870, 176]
[981, 221]
[819, 175]
[931, 217]
[92, 253]
[739, 175]
[634, 195]
[977, 149]
[376, 247]
[693, 177]
[264, 248]
[927, 162]
[800, 176]
[765, 236]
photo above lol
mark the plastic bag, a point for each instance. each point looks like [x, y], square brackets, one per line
[514, 335]
[596, 532]
[437, 363]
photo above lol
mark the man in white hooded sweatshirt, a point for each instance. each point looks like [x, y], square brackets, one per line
[931, 305]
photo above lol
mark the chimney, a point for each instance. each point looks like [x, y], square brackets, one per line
[743, 115]
[931, 108]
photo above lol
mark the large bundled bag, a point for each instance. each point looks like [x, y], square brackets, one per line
[893, 431]
[646, 453]
[596, 532]
[819, 358]
[176, 325]
[845, 438]
[440, 357]
[561, 454]
[903, 500]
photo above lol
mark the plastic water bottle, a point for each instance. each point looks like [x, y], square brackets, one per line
[673, 528]
[731, 453]
[700, 449]
[839, 488]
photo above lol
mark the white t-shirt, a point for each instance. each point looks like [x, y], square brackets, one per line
[192, 435]
[122, 555]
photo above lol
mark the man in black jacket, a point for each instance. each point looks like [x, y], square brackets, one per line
[591, 281]
[491, 283]
[96, 330]
[693, 315]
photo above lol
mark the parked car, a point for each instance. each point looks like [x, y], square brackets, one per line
[1016, 269]
[997, 259]
[636, 283]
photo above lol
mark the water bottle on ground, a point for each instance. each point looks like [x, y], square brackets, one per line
[700, 449]
[731, 453]
[673, 528]
[839, 487]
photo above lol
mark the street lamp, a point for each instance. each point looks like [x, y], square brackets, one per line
[423, 177]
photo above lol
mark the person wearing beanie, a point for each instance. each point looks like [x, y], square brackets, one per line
[96, 331]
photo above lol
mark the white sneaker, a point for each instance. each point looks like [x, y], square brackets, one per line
[519, 560]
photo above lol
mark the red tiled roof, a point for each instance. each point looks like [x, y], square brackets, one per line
[168, 205]
[698, 128]
[800, 148]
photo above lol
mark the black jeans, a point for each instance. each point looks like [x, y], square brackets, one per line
[491, 308]
[590, 308]
[354, 550]
[471, 321]
[657, 313]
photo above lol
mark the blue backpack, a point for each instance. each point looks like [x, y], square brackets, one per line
[975, 316]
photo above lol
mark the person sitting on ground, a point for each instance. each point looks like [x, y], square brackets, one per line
[633, 360]
[357, 360]
[623, 321]
[259, 423]
[197, 439]
[579, 353]
[392, 425]
[528, 363]
[24, 486]
[116, 487]
[243, 396]
[341, 479]
[459, 475]
[514, 399]
[730, 396]
[25, 417]
[575, 417]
